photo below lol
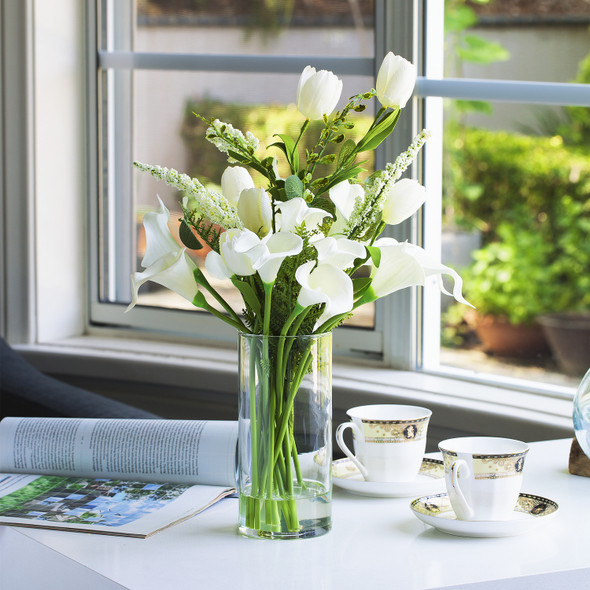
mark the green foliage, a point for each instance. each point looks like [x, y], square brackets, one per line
[262, 120]
[577, 129]
[509, 276]
[500, 177]
[530, 197]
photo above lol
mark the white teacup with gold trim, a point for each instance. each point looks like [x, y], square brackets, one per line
[389, 440]
[483, 475]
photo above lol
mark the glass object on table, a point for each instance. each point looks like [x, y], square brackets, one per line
[582, 414]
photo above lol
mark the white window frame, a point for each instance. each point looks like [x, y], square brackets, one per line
[44, 253]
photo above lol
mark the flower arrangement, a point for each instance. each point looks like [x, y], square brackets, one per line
[293, 247]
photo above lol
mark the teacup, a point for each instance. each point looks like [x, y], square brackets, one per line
[389, 440]
[483, 475]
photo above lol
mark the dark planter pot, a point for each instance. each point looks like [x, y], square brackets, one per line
[498, 336]
[568, 335]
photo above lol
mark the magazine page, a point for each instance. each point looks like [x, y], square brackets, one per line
[167, 451]
[104, 506]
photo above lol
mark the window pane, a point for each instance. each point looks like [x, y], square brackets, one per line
[516, 213]
[166, 132]
[508, 40]
[328, 27]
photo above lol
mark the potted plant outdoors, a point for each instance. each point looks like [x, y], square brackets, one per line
[507, 286]
[567, 326]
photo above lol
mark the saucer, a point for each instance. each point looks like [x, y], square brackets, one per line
[530, 512]
[430, 479]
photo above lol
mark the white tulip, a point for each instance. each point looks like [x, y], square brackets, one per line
[324, 284]
[295, 212]
[344, 195]
[401, 200]
[405, 265]
[255, 210]
[339, 252]
[174, 271]
[159, 239]
[233, 181]
[395, 81]
[318, 93]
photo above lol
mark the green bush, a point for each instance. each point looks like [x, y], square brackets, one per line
[500, 177]
[530, 198]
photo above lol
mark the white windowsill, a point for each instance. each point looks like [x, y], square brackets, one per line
[456, 403]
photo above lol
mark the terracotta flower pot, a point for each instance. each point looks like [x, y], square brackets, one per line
[568, 335]
[498, 336]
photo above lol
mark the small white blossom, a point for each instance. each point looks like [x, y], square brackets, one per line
[208, 204]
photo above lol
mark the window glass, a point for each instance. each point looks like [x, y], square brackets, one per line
[148, 110]
[325, 27]
[516, 192]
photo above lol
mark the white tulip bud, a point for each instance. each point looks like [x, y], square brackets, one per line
[255, 210]
[395, 81]
[318, 93]
[233, 181]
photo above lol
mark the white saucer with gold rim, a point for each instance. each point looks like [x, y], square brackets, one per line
[429, 480]
[530, 512]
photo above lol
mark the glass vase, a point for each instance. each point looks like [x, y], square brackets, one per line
[285, 435]
[582, 414]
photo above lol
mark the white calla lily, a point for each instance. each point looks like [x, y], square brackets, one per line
[344, 195]
[277, 247]
[159, 240]
[318, 93]
[402, 199]
[234, 256]
[233, 181]
[339, 252]
[405, 265]
[255, 210]
[324, 284]
[174, 271]
[295, 211]
[395, 81]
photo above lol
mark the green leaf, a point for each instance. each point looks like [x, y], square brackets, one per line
[187, 236]
[290, 148]
[346, 151]
[200, 301]
[344, 174]
[478, 50]
[375, 254]
[293, 187]
[324, 204]
[360, 285]
[377, 134]
[249, 295]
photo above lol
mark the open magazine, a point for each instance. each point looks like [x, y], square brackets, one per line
[113, 476]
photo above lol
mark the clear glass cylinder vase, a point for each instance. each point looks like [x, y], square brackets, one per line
[285, 435]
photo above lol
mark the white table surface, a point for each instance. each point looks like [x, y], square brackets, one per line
[374, 542]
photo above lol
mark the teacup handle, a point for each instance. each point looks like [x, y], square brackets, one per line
[340, 440]
[455, 467]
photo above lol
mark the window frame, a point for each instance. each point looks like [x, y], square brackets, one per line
[47, 320]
